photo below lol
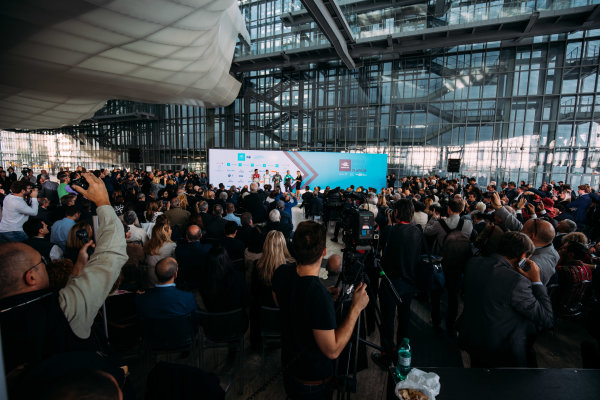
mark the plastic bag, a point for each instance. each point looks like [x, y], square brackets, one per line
[427, 383]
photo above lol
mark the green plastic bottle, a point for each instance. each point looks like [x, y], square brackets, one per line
[404, 358]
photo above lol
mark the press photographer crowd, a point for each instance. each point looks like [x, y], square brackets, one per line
[95, 265]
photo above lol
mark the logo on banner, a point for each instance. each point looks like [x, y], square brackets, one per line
[345, 165]
[241, 156]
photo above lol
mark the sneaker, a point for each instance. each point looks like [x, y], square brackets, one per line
[382, 360]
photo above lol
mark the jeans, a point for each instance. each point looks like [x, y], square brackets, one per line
[14, 236]
[299, 391]
[388, 308]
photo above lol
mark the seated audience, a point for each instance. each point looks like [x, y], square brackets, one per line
[216, 227]
[177, 215]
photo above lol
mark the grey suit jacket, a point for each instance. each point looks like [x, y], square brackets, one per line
[546, 258]
[502, 308]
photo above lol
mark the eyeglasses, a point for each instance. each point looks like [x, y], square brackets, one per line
[43, 260]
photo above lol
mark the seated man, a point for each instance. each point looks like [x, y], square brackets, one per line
[37, 323]
[505, 300]
[177, 216]
[310, 335]
[61, 228]
[165, 300]
[276, 223]
[233, 246]
[37, 230]
[191, 256]
[230, 208]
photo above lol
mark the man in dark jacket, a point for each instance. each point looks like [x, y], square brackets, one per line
[505, 300]
[191, 256]
[165, 300]
[399, 262]
[253, 203]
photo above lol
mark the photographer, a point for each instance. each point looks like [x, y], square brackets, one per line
[311, 338]
[399, 262]
[16, 210]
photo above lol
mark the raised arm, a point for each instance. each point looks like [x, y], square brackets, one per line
[83, 296]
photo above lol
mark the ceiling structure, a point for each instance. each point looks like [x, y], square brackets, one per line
[62, 59]
[388, 29]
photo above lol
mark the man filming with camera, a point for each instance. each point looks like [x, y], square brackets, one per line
[17, 208]
[311, 339]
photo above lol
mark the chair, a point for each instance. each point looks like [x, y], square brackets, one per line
[224, 329]
[270, 329]
[170, 336]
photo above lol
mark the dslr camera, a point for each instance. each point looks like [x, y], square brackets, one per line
[81, 182]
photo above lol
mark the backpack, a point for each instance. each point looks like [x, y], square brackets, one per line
[456, 248]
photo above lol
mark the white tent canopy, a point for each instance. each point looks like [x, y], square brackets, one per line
[64, 58]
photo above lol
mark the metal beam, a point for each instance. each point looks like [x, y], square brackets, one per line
[336, 33]
[509, 29]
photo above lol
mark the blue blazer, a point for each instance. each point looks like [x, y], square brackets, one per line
[165, 302]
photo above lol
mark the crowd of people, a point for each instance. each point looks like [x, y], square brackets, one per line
[514, 256]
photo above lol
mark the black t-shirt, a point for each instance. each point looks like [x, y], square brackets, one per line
[305, 305]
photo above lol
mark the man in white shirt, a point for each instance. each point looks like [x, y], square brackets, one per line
[138, 234]
[266, 178]
[16, 211]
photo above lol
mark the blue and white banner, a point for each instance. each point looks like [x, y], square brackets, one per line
[235, 167]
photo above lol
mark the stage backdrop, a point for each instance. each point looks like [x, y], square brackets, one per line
[235, 167]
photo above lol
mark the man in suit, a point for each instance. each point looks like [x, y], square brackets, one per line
[276, 223]
[49, 189]
[165, 300]
[504, 304]
[177, 216]
[253, 203]
[216, 228]
[191, 255]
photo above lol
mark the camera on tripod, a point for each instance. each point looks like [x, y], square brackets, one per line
[358, 225]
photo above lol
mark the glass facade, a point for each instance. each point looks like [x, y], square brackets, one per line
[520, 111]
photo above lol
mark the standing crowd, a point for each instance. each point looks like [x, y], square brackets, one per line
[513, 259]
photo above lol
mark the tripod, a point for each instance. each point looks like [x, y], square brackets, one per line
[348, 381]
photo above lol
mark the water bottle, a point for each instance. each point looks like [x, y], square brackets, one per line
[404, 356]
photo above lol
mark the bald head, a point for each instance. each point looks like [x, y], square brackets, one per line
[541, 232]
[166, 270]
[21, 270]
[193, 233]
[334, 264]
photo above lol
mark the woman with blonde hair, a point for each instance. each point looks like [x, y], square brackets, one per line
[152, 211]
[158, 247]
[275, 253]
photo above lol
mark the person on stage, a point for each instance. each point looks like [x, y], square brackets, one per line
[256, 177]
[288, 181]
[266, 178]
[298, 181]
[277, 180]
